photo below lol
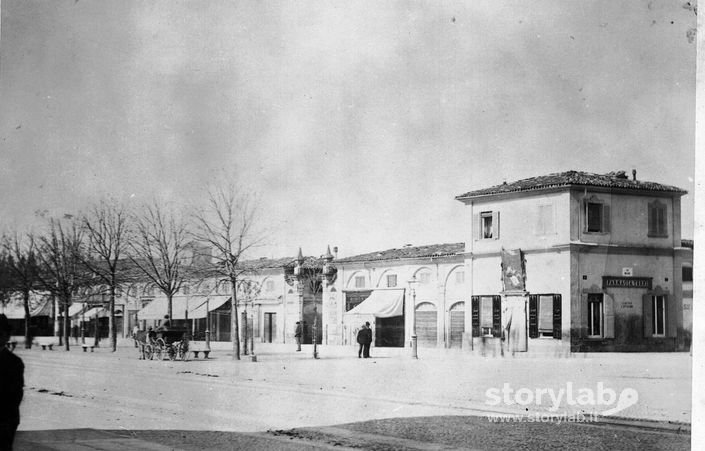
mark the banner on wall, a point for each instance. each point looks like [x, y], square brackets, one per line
[513, 270]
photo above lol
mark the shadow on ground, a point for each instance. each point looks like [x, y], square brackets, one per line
[440, 432]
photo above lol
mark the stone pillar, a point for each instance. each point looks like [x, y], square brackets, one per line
[514, 321]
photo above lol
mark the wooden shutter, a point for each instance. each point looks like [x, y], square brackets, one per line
[647, 315]
[476, 227]
[608, 316]
[606, 219]
[475, 316]
[584, 315]
[496, 316]
[495, 225]
[652, 219]
[557, 317]
[533, 316]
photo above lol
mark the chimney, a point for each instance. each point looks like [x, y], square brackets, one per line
[634, 174]
[335, 251]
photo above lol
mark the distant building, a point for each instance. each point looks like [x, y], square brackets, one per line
[576, 262]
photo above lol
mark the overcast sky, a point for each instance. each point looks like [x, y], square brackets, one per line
[356, 122]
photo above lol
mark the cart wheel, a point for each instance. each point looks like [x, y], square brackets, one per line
[172, 352]
[148, 352]
[158, 353]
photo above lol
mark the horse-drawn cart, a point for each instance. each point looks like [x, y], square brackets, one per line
[163, 344]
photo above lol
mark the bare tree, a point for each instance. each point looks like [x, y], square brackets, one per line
[22, 264]
[228, 224]
[107, 231]
[248, 290]
[61, 269]
[159, 249]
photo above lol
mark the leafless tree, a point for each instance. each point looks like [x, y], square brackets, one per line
[228, 224]
[21, 261]
[247, 291]
[159, 248]
[61, 270]
[107, 231]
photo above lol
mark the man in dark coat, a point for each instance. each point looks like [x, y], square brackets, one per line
[361, 339]
[11, 388]
[297, 335]
[368, 341]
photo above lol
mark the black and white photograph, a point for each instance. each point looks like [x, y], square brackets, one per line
[393, 225]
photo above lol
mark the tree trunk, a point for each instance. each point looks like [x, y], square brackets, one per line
[111, 321]
[169, 298]
[235, 332]
[27, 319]
[66, 303]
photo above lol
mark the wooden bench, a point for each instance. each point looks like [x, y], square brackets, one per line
[198, 347]
[87, 346]
[46, 342]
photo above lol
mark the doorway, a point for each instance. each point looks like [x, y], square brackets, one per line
[270, 327]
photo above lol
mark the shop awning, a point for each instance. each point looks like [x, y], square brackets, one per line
[15, 308]
[382, 304]
[75, 309]
[213, 303]
[157, 309]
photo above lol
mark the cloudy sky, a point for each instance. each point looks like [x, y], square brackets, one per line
[356, 122]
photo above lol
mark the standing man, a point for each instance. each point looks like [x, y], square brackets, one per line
[11, 388]
[368, 341]
[297, 334]
[361, 339]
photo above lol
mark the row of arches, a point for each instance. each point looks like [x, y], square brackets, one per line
[391, 278]
[427, 324]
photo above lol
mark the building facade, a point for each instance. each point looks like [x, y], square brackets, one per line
[597, 261]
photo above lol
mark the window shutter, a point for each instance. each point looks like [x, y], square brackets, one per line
[476, 316]
[647, 315]
[585, 216]
[476, 227]
[533, 316]
[652, 220]
[608, 316]
[584, 314]
[496, 316]
[670, 331]
[606, 219]
[557, 317]
[495, 225]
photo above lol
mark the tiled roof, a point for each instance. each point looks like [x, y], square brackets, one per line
[433, 250]
[617, 179]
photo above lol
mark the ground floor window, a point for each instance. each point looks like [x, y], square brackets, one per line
[486, 316]
[545, 317]
[595, 315]
[658, 312]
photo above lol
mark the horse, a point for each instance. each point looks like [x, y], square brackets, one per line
[144, 340]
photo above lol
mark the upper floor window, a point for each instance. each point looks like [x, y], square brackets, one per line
[269, 286]
[460, 277]
[391, 280]
[185, 290]
[359, 281]
[544, 222]
[657, 219]
[597, 216]
[425, 277]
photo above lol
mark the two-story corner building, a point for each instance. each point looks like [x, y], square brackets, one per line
[575, 261]
[381, 287]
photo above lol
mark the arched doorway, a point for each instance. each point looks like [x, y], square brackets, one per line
[457, 325]
[427, 324]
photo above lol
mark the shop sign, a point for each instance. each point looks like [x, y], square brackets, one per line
[626, 282]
